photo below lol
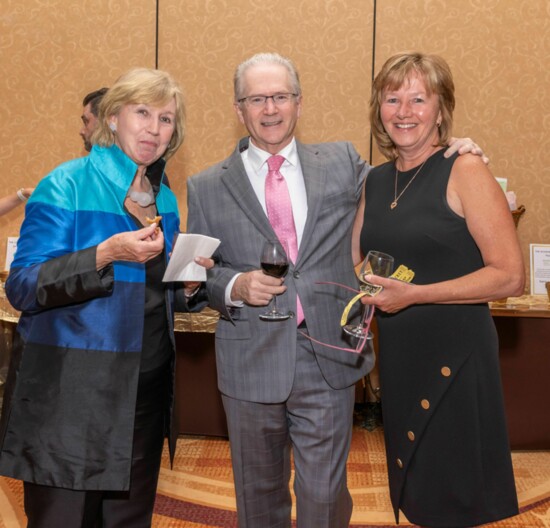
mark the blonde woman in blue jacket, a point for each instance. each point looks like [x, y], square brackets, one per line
[89, 396]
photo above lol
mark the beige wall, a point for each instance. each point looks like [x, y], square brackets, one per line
[329, 41]
[53, 52]
[499, 52]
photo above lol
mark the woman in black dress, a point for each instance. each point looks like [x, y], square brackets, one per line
[447, 219]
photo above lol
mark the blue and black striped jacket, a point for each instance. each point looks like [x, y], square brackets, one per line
[69, 406]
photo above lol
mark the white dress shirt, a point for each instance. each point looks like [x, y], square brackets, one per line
[255, 164]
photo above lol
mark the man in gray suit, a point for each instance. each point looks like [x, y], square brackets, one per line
[279, 388]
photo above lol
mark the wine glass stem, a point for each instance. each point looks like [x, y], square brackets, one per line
[274, 305]
[366, 317]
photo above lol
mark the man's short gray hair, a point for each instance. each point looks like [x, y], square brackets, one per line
[265, 58]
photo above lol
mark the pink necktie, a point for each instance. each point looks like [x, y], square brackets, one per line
[279, 212]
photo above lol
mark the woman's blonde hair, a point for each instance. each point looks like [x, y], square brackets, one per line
[141, 86]
[438, 79]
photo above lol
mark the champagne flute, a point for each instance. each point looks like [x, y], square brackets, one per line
[376, 263]
[274, 262]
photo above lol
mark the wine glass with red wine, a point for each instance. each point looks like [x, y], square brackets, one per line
[274, 262]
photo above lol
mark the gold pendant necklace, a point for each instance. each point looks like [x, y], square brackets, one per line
[393, 205]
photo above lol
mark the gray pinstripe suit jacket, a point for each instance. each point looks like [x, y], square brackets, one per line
[256, 359]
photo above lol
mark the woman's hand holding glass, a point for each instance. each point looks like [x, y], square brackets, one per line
[379, 264]
[396, 295]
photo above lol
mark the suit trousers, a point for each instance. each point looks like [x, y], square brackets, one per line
[50, 507]
[316, 423]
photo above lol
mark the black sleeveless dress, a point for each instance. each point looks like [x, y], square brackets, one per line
[447, 446]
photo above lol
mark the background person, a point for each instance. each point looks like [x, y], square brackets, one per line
[448, 220]
[280, 390]
[11, 201]
[89, 117]
[90, 113]
[89, 396]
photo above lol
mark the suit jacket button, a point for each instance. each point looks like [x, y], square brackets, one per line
[425, 404]
[446, 371]
[399, 463]
[296, 274]
[291, 314]
[410, 434]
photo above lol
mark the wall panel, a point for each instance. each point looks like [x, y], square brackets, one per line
[52, 53]
[499, 52]
[202, 42]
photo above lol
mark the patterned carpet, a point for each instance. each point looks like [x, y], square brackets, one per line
[198, 493]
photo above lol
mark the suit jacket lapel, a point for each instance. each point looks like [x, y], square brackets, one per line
[315, 175]
[238, 185]
[314, 172]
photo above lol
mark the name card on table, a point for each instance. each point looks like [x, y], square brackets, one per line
[10, 251]
[540, 267]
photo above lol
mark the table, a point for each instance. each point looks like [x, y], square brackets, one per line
[523, 325]
[200, 409]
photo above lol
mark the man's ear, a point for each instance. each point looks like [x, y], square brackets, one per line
[239, 112]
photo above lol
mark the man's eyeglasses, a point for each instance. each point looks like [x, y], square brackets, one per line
[260, 100]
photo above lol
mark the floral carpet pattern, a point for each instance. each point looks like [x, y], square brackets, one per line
[198, 491]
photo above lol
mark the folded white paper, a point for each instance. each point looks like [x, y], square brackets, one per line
[181, 266]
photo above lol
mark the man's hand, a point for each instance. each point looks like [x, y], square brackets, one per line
[256, 288]
[205, 262]
[463, 146]
[192, 287]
